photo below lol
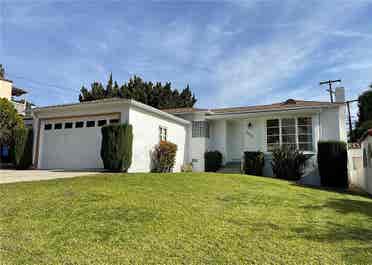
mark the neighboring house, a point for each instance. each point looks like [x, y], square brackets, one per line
[12, 93]
[68, 136]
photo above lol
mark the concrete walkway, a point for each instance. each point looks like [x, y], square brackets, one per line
[10, 176]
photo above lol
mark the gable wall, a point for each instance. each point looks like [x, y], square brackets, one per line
[146, 137]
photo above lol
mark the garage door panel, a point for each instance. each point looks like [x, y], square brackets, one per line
[75, 148]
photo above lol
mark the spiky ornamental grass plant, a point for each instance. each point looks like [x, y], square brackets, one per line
[288, 163]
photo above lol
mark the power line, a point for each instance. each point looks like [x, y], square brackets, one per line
[330, 90]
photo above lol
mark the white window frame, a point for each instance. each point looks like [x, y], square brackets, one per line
[163, 133]
[200, 129]
[296, 131]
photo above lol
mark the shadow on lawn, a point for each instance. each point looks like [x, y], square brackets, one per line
[332, 232]
[346, 206]
[337, 190]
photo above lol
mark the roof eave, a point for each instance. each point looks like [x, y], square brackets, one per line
[258, 112]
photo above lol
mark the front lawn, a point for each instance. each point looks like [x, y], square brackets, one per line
[181, 218]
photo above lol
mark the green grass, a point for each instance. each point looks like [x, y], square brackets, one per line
[181, 218]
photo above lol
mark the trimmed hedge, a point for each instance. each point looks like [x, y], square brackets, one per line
[253, 163]
[212, 161]
[332, 163]
[164, 157]
[22, 148]
[288, 163]
[116, 148]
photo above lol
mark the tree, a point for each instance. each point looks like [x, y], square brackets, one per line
[364, 115]
[365, 106]
[156, 94]
[9, 120]
[2, 72]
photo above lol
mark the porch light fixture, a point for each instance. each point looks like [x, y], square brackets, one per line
[250, 125]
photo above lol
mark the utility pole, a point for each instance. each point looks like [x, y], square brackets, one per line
[330, 90]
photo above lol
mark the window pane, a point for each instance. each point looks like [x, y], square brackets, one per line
[200, 129]
[79, 124]
[289, 139]
[305, 134]
[114, 121]
[289, 130]
[57, 126]
[47, 127]
[305, 138]
[102, 123]
[304, 121]
[273, 139]
[91, 124]
[288, 122]
[68, 125]
[272, 123]
[273, 131]
[304, 130]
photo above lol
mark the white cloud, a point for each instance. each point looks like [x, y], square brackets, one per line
[261, 71]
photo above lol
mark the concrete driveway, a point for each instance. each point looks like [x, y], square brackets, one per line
[10, 176]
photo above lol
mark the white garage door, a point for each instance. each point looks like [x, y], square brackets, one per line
[73, 143]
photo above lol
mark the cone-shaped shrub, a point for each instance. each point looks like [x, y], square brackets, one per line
[212, 161]
[22, 148]
[253, 163]
[116, 148]
[332, 163]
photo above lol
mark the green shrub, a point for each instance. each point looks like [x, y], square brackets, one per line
[164, 157]
[253, 163]
[116, 148]
[22, 148]
[212, 161]
[288, 163]
[332, 163]
[358, 132]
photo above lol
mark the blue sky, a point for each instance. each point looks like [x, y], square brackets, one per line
[231, 53]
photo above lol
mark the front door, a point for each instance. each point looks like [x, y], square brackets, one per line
[234, 140]
[249, 135]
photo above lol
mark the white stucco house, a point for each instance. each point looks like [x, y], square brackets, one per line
[69, 136]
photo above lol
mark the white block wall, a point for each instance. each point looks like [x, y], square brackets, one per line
[146, 136]
[360, 174]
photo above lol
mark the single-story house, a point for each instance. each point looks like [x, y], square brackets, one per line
[68, 136]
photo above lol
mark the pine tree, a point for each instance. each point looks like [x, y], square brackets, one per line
[98, 92]
[109, 88]
[156, 95]
[2, 72]
[116, 90]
